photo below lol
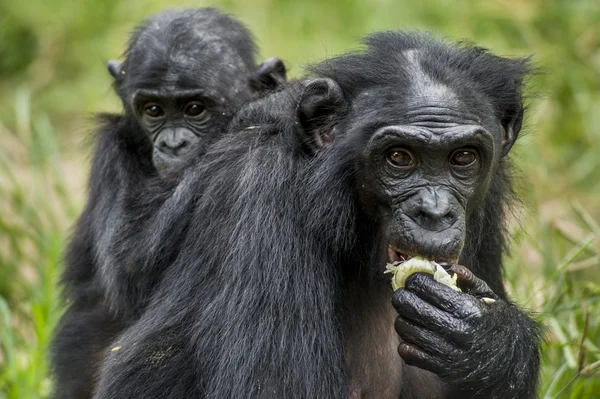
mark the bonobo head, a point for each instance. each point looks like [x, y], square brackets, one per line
[424, 125]
[185, 72]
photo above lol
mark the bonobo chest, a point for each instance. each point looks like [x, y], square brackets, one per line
[373, 366]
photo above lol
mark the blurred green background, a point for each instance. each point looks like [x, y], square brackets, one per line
[53, 78]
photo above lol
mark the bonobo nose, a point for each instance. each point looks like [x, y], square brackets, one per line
[175, 142]
[433, 208]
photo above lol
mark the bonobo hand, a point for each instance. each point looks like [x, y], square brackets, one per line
[480, 349]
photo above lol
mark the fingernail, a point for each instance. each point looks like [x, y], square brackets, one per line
[446, 265]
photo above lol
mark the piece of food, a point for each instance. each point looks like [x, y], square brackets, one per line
[401, 271]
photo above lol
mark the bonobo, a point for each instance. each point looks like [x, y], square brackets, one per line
[184, 74]
[278, 290]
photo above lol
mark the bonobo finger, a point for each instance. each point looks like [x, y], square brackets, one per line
[413, 356]
[421, 337]
[471, 284]
[420, 312]
[433, 292]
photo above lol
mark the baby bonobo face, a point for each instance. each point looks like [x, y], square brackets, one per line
[183, 78]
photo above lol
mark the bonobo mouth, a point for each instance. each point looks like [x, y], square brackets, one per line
[398, 255]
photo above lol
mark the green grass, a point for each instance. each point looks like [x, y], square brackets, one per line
[52, 76]
[36, 211]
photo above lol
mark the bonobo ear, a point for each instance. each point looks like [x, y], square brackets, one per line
[511, 125]
[268, 75]
[114, 68]
[320, 104]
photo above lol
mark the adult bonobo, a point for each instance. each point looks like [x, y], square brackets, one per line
[278, 290]
[184, 74]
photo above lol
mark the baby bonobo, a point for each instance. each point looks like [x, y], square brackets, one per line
[184, 74]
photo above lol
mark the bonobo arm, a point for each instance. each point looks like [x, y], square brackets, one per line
[137, 218]
[482, 350]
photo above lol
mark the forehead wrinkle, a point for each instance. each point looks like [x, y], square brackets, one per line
[425, 108]
[457, 132]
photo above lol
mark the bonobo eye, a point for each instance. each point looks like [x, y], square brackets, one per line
[195, 110]
[463, 157]
[400, 158]
[153, 110]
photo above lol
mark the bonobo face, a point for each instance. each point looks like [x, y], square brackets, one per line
[423, 171]
[184, 110]
[422, 154]
[184, 75]
[177, 122]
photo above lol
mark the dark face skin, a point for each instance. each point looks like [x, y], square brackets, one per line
[427, 169]
[177, 123]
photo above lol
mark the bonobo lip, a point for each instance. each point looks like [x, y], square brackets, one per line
[398, 255]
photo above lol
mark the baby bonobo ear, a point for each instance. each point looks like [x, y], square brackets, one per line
[320, 106]
[114, 68]
[511, 126]
[268, 75]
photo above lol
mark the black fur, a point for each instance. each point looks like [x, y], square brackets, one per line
[182, 46]
[277, 288]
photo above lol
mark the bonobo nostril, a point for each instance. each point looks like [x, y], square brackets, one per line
[449, 217]
[181, 144]
[436, 214]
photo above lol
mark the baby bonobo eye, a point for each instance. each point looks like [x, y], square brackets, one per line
[195, 110]
[400, 158]
[154, 110]
[463, 157]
